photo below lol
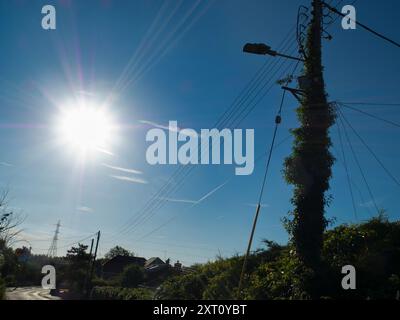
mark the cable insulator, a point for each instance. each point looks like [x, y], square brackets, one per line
[278, 119]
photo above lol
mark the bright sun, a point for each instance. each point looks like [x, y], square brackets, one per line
[86, 127]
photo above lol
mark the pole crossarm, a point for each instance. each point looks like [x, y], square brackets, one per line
[295, 92]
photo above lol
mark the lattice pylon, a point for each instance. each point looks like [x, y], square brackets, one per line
[53, 247]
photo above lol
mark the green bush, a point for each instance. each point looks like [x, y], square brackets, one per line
[100, 282]
[2, 290]
[132, 276]
[373, 248]
[118, 293]
[186, 287]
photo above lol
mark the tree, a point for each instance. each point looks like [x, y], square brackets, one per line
[132, 276]
[76, 270]
[78, 254]
[9, 222]
[9, 230]
[118, 251]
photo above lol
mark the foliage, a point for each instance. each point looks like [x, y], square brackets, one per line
[2, 290]
[78, 254]
[118, 251]
[276, 272]
[118, 293]
[76, 270]
[373, 248]
[132, 276]
[9, 264]
[308, 168]
[9, 221]
[100, 282]
[187, 287]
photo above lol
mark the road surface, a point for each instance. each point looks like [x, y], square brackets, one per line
[29, 293]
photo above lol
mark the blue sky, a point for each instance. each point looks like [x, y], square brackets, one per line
[186, 65]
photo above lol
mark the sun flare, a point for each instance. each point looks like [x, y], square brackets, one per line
[86, 127]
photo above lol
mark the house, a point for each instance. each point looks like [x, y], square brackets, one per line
[155, 264]
[117, 264]
[155, 261]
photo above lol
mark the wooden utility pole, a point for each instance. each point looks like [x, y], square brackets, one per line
[94, 259]
[89, 268]
[309, 166]
[246, 257]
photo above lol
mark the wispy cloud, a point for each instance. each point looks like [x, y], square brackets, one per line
[105, 151]
[172, 129]
[156, 125]
[85, 209]
[127, 170]
[195, 202]
[129, 179]
[6, 164]
[178, 200]
[209, 194]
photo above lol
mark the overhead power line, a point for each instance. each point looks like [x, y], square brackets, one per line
[154, 203]
[358, 164]
[364, 26]
[347, 171]
[370, 115]
[369, 149]
[353, 182]
[278, 120]
[280, 143]
[176, 180]
[79, 241]
[371, 104]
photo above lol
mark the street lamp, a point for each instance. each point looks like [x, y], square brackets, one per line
[263, 49]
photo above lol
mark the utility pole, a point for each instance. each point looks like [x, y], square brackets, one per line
[246, 256]
[94, 259]
[52, 252]
[308, 168]
[89, 268]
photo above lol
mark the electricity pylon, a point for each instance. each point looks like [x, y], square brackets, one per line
[53, 247]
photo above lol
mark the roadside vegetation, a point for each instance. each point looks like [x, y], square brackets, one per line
[273, 272]
[121, 293]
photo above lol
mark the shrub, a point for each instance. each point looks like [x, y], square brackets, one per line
[190, 286]
[2, 290]
[373, 248]
[118, 293]
[132, 276]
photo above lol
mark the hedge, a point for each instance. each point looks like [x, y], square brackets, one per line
[119, 293]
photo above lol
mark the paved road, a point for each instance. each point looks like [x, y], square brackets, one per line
[29, 293]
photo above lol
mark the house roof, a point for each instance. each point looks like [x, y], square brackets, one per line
[117, 263]
[153, 260]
